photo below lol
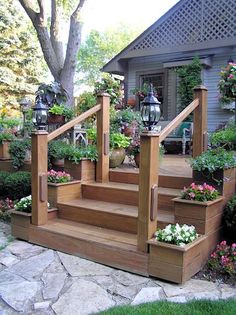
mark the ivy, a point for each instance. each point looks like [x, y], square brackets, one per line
[189, 77]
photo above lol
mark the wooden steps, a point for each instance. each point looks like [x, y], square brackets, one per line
[106, 246]
[107, 214]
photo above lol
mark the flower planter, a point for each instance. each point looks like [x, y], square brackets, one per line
[205, 216]
[116, 157]
[222, 180]
[56, 119]
[174, 263]
[20, 223]
[4, 150]
[62, 192]
[84, 170]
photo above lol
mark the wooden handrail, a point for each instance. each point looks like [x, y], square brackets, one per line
[73, 122]
[178, 119]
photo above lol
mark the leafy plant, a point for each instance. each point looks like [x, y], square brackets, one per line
[58, 177]
[223, 259]
[17, 150]
[6, 136]
[24, 204]
[6, 205]
[92, 135]
[9, 123]
[213, 160]
[85, 101]
[177, 234]
[62, 110]
[225, 137]
[227, 83]
[18, 185]
[76, 154]
[229, 216]
[199, 192]
[52, 94]
[110, 86]
[3, 176]
[189, 77]
[118, 140]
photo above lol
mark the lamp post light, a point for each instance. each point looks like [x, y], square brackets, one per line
[40, 115]
[25, 105]
[150, 110]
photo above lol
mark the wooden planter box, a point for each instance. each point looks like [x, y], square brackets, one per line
[20, 223]
[222, 180]
[4, 150]
[205, 216]
[174, 263]
[84, 170]
[63, 192]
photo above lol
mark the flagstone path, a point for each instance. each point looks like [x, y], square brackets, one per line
[37, 280]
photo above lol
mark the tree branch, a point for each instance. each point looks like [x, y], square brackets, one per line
[78, 9]
[41, 15]
[26, 4]
[55, 32]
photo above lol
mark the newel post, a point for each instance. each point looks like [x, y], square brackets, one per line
[148, 186]
[39, 166]
[200, 121]
[103, 125]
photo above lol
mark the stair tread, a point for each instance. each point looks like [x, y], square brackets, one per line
[133, 187]
[104, 206]
[92, 233]
[117, 208]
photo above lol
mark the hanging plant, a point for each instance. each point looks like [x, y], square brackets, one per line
[227, 84]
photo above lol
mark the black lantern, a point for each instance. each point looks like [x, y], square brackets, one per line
[40, 115]
[150, 111]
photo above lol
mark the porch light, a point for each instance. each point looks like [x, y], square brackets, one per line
[40, 115]
[150, 110]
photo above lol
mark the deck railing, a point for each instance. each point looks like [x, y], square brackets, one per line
[149, 162]
[39, 163]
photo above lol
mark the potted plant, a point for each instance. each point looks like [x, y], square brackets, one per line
[59, 114]
[118, 144]
[52, 94]
[80, 162]
[5, 139]
[56, 153]
[61, 187]
[176, 253]
[200, 205]
[18, 150]
[227, 83]
[216, 167]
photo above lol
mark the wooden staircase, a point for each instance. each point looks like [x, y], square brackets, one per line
[102, 224]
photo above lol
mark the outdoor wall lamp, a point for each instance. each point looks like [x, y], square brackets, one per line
[150, 110]
[40, 115]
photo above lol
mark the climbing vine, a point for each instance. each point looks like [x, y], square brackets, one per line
[189, 77]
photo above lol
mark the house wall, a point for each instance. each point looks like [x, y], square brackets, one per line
[210, 78]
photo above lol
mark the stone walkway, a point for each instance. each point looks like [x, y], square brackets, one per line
[37, 280]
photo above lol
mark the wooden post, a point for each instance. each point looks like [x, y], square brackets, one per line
[103, 125]
[200, 121]
[148, 181]
[39, 166]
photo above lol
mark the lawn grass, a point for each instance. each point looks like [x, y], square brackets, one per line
[222, 307]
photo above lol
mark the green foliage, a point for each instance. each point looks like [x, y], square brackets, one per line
[118, 140]
[21, 61]
[229, 217]
[86, 101]
[111, 86]
[76, 154]
[225, 137]
[99, 48]
[9, 123]
[56, 150]
[3, 176]
[227, 84]
[189, 77]
[18, 185]
[213, 160]
[6, 205]
[17, 150]
[6, 136]
[51, 94]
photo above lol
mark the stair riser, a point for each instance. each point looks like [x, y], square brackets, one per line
[103, 219]
[110, 194]
[165, 202]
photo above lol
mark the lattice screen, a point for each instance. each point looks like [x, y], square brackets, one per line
[195, 21]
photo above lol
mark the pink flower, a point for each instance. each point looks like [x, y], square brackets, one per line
[192, 195]
[223, 243]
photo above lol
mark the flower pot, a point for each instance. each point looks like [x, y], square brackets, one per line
[84, 170]
[116, 157]
[63, 191]
[222, 180]
[4, 150]
[137, 159]
[175, 263]
[56, 119]
[131, 102]
[205, 216]
[58, 164]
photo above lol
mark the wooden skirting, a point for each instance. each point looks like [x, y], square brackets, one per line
[63, 192]
[84, 170]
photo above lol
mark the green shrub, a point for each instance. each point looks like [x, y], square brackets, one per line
[225, 137]
[3, 176]
[18, 150]
[18, 185]
[229, 217]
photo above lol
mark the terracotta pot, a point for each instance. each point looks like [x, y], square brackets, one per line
[131, 102]
[56, 119]
[117, 157]
[58, 162]
[4, 150]
[137, 159]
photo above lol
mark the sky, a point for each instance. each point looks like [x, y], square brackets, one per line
[100, 14]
